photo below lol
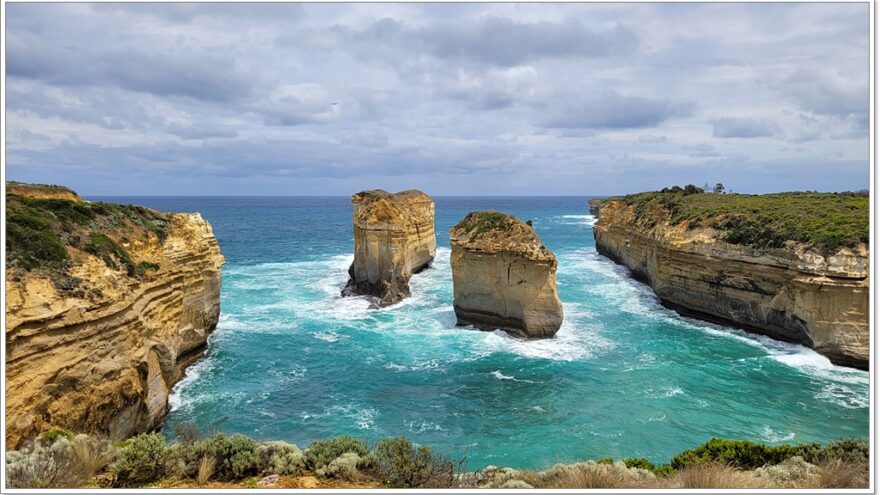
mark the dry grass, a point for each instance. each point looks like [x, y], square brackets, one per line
[206, 469]
[840, 474]
[713, 475]
[90, 456]
[585, 476]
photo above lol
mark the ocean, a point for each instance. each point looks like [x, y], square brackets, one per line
[624, 377]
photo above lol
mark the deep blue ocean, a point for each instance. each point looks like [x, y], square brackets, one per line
[624, 377]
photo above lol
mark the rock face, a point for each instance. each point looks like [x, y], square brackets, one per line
[96, 343]
[393, 239]
[595, 206]
[503, 276]
[792, 293]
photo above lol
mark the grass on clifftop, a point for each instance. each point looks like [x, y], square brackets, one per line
[826, 221]
[38, 231]
[59, 459]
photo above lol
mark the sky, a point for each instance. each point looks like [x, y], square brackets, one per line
[452, 99]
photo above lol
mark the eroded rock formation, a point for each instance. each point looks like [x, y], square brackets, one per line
[503, 276]
[98, 331]
[793, 293]
[393, 239]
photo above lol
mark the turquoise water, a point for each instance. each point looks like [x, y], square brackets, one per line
[624, 377]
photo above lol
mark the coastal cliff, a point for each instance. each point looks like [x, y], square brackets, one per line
[106, 305]
[503, 276]
[393, 239]
[792, 266]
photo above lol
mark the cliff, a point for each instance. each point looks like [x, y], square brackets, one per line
[503, 276]
[393, 239]
[595, 205]
[791, 266]
[106, 305]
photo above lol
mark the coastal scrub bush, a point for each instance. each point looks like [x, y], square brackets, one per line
[50, 436]
[736, 453]
[141, 460]
[43, 464]
[280, 458]
[399, 464]
[322, 452]
[236, 455]
[343, 467]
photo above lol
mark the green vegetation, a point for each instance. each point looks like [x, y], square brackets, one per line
[826, 221]
[105, 248]
[60, 459]
[476, 223]
[39, 231]
[399, 464]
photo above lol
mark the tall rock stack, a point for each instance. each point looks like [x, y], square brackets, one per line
[393, 239]
[503, 276]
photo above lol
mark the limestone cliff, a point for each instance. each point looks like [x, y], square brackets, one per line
[595, 206]
[503, 276]
[393, 239]
[106, 305]
[793, 291]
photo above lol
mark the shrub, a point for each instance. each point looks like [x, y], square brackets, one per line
[43, 465]
[236, 455]
[401, 465]
[737, 453]
[322, 452]
[141, 460]
[280, 458]
[842, 474]
[343, 467]
[187, 432]
[50, 436]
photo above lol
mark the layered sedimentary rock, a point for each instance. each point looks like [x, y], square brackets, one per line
[793, 293]
[393, 239]
[595, 205]
[98, 333]
[503, 276]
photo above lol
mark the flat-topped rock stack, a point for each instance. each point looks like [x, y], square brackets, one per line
[503, 276]
[393, 239]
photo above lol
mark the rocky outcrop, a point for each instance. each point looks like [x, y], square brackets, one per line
[42, 191]
[95, 341]
[393, 239]
[793, 293]
[503, 276]
[595, 205]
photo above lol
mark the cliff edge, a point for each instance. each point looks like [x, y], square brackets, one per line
[393, 239]
[106, 305]
[793, 266]
[503, 276]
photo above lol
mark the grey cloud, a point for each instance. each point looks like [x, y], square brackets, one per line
[197, 75]
[612, 110]
[201, 131]
[736, 127]
[827, 92]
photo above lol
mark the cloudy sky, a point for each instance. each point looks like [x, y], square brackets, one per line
[453, 99]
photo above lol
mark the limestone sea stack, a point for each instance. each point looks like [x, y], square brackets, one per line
[503, 276]
[106, 305]
[393, 239]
